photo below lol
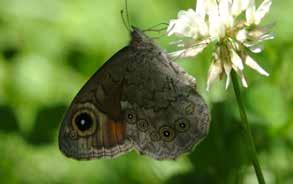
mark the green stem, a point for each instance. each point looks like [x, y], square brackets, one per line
[247, 130]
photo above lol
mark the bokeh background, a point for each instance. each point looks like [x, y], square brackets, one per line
[49, 48]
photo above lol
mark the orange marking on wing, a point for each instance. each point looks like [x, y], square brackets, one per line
[114, 133]
[120, 132]
[109, 136]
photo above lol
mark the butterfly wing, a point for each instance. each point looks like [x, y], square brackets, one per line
[137, 99]
[165, 115]
[93, 125]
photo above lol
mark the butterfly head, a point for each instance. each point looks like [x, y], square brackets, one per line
[139, 39]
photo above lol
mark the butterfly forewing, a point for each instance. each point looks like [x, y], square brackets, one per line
[93, 125]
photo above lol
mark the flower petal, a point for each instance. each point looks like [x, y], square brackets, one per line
[226, 13]
[215, 23]
[201, 8]
[236, 7]
[188, 24]
[227, 68]
[188, 52]
[241, 75]
[211, 7]
[236, 60]
[182, 26]
[250, 13]
[243, 80]
[170, 29]
[246, 3]
[216, 27]
[214, 72]
[267, 36]
[253, 64]
[239, 6]
[241, 36]
[262, 10]
[256, 48]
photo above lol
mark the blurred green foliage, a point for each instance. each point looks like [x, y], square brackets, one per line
[49, 48]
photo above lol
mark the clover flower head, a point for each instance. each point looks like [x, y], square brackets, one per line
[235, 36]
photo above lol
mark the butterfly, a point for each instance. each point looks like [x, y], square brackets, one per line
[139, 99]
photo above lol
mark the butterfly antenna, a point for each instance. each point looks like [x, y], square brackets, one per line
[127, 13]
[125, 17]
[124, 21]
[156, 29]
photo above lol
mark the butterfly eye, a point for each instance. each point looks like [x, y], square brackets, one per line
[84, 122]
[167, 133]
[182, 125]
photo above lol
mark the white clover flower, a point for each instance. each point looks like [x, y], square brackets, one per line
[219, 22]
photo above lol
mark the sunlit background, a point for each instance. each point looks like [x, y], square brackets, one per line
[49, 48]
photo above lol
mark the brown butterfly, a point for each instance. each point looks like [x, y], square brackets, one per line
[140, 100]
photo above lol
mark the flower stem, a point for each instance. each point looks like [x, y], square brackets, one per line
[248, 134]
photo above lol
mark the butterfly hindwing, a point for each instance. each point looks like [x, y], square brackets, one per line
[165, 115]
